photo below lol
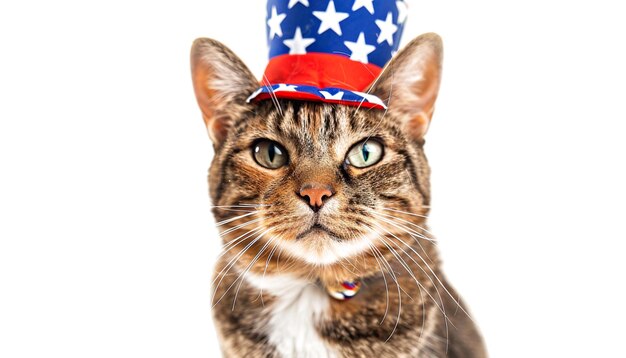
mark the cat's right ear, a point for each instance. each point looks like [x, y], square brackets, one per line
[410, 83]
[222, 83]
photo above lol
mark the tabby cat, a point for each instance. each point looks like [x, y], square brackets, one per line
[308, 195]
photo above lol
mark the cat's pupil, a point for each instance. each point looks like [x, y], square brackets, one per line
[271, 152]
[365, 152]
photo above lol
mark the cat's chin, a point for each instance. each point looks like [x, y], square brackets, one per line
[320, 247]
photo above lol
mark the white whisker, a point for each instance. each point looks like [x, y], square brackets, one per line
[240, 205]
[234, 242]
[406, 212]
[230, 265]
[267, 263]
[237, 227]
[235, 218]
[408, 231]
[386, 286]
[242, 276]
[393, 276]
[273, 95]
[412, 224]
[440, 306]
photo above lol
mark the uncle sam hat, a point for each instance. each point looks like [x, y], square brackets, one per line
[329, 50]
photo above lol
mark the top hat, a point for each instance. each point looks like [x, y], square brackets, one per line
[329, 51]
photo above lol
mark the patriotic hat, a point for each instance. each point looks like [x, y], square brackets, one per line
[329, 51]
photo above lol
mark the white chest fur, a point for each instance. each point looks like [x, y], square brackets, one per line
[297, 308]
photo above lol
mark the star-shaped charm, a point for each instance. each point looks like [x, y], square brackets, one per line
[360, 49]
[330, 19]
[337, 96]
[285, 88]
[364, 3]
[293, 3]
[297, 45]
[402, 11]
[387, 29]
[274, 23]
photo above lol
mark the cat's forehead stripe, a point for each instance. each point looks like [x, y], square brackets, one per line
[314, 128]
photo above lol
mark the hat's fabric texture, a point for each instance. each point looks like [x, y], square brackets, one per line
[329, 51]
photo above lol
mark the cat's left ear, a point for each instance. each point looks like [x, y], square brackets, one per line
[410, 83]
[222, 83]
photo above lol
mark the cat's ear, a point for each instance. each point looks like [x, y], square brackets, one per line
[410, 83]
[222, 83]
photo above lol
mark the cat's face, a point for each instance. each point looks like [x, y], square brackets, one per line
[320, 176]
[319, 182]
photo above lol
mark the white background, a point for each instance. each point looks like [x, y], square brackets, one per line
[106, 237]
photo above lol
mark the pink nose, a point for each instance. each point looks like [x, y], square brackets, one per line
[314, 194]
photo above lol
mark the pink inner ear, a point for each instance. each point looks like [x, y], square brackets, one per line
[213, 63]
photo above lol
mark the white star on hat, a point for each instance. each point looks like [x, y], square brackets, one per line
[371, 98]
[293, 3]
[387, 29]
[297, 45]
[364, 3]
[330, 19]
[274, 23]
[360, 49]
[285, 88]
[402, 11]
[337, 96]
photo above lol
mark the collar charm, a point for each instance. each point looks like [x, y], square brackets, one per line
[344, 291]
[329, 50]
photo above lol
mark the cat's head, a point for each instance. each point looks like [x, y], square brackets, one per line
[319, 182]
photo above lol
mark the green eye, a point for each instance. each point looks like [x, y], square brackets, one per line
[365, 153]
[269, 154]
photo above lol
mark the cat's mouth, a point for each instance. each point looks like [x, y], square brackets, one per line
[318, 229]
[319, 245]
